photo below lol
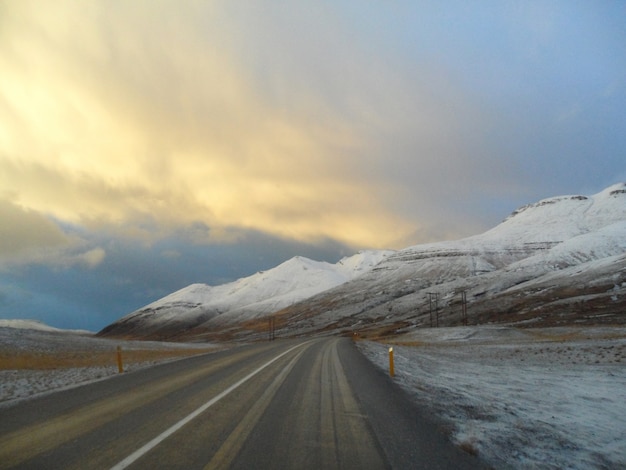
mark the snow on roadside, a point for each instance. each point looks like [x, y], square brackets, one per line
[549, 398]
[18, 384]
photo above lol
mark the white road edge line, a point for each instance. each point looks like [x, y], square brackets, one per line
[168, 432]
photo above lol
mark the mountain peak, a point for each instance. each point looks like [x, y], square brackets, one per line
[618, 189]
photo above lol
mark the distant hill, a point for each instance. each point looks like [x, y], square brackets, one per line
[21, 324]
[561, 260]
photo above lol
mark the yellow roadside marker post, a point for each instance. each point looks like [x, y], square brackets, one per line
[120, 366]
[391, 369]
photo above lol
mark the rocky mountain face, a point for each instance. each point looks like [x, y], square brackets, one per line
[560, 260]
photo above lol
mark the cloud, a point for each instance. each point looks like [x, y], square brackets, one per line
[116, 115]
[28, 237]
[364, 124]
[93, 258]
[24, 232]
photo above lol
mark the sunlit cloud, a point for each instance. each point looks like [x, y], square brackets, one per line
[27, 236]
[117, 114]
[26, 232]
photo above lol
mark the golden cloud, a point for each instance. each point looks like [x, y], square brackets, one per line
[25, 231]
[27, 236]
[117, 110]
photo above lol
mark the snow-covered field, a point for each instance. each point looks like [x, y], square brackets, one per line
[23, 343]
[521, 398]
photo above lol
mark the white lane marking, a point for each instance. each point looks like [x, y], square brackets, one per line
[168, 432]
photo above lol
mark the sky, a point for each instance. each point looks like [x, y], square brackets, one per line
[148, 145]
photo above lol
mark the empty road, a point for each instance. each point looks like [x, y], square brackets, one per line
[315, 404]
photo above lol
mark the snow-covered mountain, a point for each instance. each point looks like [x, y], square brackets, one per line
[211, 307]
[562, 259]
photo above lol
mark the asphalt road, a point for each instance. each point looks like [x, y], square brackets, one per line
[281, 405]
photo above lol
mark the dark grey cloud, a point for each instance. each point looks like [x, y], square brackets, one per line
[135, 273]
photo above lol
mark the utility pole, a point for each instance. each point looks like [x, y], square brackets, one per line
[463, 308]
[272, 327]
[430, 307]
[433, 297]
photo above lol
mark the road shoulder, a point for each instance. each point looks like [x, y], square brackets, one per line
[409, 436]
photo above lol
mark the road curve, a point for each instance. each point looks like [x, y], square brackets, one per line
[280, 405]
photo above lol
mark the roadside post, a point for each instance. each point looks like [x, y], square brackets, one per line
[120, 365]
[391, 369]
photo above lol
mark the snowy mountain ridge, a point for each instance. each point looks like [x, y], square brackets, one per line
[560, 260]
[548, 222]
[563, 256]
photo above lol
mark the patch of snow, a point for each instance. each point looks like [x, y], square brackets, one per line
[21, 384]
